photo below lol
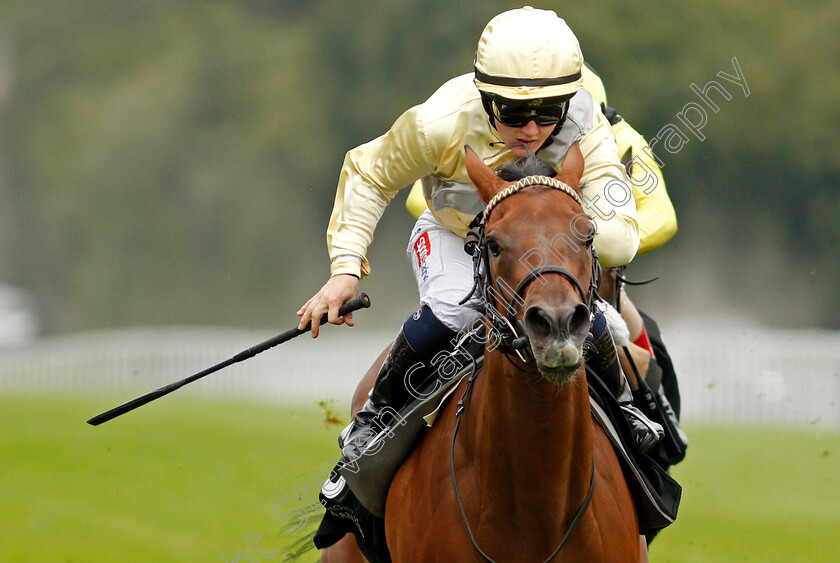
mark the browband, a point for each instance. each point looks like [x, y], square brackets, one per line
[525, 183]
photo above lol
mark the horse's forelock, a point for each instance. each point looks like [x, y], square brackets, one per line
[530, 165]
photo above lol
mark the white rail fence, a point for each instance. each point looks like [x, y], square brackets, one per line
[747, 376]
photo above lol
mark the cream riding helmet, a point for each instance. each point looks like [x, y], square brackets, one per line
[527, 67]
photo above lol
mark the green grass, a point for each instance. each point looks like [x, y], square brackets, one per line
[174, 481]
[186, 480]
[756, 495]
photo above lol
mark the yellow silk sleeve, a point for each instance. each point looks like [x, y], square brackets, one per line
[656, 214]
[416, 202]
[371, 176]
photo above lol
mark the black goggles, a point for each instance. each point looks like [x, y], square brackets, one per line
[515, 113]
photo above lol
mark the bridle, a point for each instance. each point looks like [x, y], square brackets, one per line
[505, 325]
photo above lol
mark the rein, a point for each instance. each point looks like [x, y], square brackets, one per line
[504, 325]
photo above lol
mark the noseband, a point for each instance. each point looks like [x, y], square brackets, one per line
[510, 341]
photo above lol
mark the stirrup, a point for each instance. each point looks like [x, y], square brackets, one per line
[646, 433]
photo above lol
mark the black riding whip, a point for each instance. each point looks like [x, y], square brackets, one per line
[360, 302]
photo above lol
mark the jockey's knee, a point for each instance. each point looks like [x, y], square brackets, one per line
[429, 331]
[456, 317]
[438, 345]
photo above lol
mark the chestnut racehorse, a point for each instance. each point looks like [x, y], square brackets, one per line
[524, 473]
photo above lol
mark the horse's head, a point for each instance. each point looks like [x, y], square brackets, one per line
[536, 249]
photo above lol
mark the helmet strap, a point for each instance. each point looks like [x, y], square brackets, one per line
[487, 103]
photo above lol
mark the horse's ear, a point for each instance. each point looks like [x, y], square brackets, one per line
[572, 167]
[482, 176]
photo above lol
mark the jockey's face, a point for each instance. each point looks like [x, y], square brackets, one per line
[528, 138]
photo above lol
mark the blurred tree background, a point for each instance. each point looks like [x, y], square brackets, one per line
[175, 162]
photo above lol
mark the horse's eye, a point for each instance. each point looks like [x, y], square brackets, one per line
[493, 247]
[590, 236]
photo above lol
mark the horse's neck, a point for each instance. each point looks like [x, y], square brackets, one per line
[532, 438]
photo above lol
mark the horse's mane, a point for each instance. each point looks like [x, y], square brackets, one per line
[530, 165]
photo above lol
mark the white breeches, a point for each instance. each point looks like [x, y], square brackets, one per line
[444, 273]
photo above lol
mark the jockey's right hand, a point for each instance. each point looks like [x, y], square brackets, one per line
[338, 290]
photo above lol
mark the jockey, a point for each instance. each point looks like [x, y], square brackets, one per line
[656, 215]
[525, 96]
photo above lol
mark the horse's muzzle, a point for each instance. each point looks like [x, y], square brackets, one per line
[556, 336]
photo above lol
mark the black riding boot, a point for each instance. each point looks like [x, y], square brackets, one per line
[604, 360]
[388, 396]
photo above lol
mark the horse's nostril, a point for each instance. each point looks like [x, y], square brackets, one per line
[573, 322]
[579, 321]
[537, 323]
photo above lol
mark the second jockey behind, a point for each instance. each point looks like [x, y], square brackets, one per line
[525, 96]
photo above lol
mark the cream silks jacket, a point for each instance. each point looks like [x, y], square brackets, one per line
[427, 142]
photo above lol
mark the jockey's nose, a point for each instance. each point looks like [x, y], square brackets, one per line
[531, 128]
